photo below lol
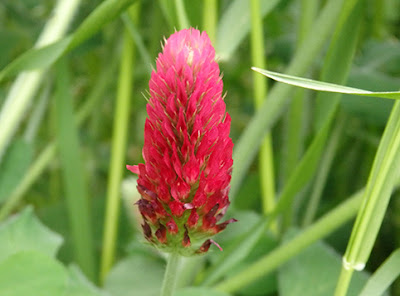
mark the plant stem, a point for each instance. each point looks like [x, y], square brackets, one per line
[266, 162]
[183, 20]
[322, 174]
[344, 282]
[210, 9]
[25, 86]
[119, 139]
[324, 226]
[171, 275]
[271, 110]
[49, 152]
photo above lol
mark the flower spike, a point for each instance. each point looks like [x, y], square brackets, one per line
[184, 180]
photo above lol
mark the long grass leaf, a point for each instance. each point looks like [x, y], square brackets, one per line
[325, 86]
[384, 276]
[76, 190]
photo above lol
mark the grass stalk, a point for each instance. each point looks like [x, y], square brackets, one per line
[379, 188]
[75, 186]
[266, 157]
[272, 108]
[48, 153]
[296, 113]
[24, 88]
[323, 171]
[320, 229]
[210, 11]
[183, 20]
[118, 149]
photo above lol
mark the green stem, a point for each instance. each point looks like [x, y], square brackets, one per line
[48, 154]
[322, 174]
[210, 10]
[271, 110]
[117, 161]
[181, 13]
[323, 227]
[170, 275]
[344, 282]
[26, 85]
[266, 162]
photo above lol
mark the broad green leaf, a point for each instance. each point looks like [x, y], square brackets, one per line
[32, 273]
[24, 232]
[136, 275]
[235, 25]
[314, 272]
[384, 276]
[324, 86]
[199, 291]
[16, 161]
[43, 57]
[79, 285]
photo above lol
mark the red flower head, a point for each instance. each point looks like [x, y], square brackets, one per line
[184, 182]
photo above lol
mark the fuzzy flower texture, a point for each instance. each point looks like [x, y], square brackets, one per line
[184, 182]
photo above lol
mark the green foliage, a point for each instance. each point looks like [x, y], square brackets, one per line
[63, 170]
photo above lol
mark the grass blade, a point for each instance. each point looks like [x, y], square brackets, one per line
[325, 86]
[76, 190]
[117, 161]
[384, 276]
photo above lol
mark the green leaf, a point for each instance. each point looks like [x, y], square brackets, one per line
[314, 272]
[79, 285]
[36, 58]
[32, 273]
[235, 25]
[199, 291]
[13, 168]
[324, 86]
[43, 57]
[25, 233]
[76, 190]
[136, 275]
[384, 276]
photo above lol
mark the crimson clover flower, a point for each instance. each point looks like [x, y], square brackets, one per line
[184, 182]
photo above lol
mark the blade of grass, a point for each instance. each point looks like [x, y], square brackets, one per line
[320, 229]
[49, 152]
[239, 252]
[234, 26]
[266, 156]
[272, 108]
[24, 88]
[210, 12]
[119, 139]
[183, 20]
[45, 56]
[76, 191]
[139, 44]
[325, 86]
[37, 114]
[384, 276]
[322, 174]
[295, 120]
[379, 188]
